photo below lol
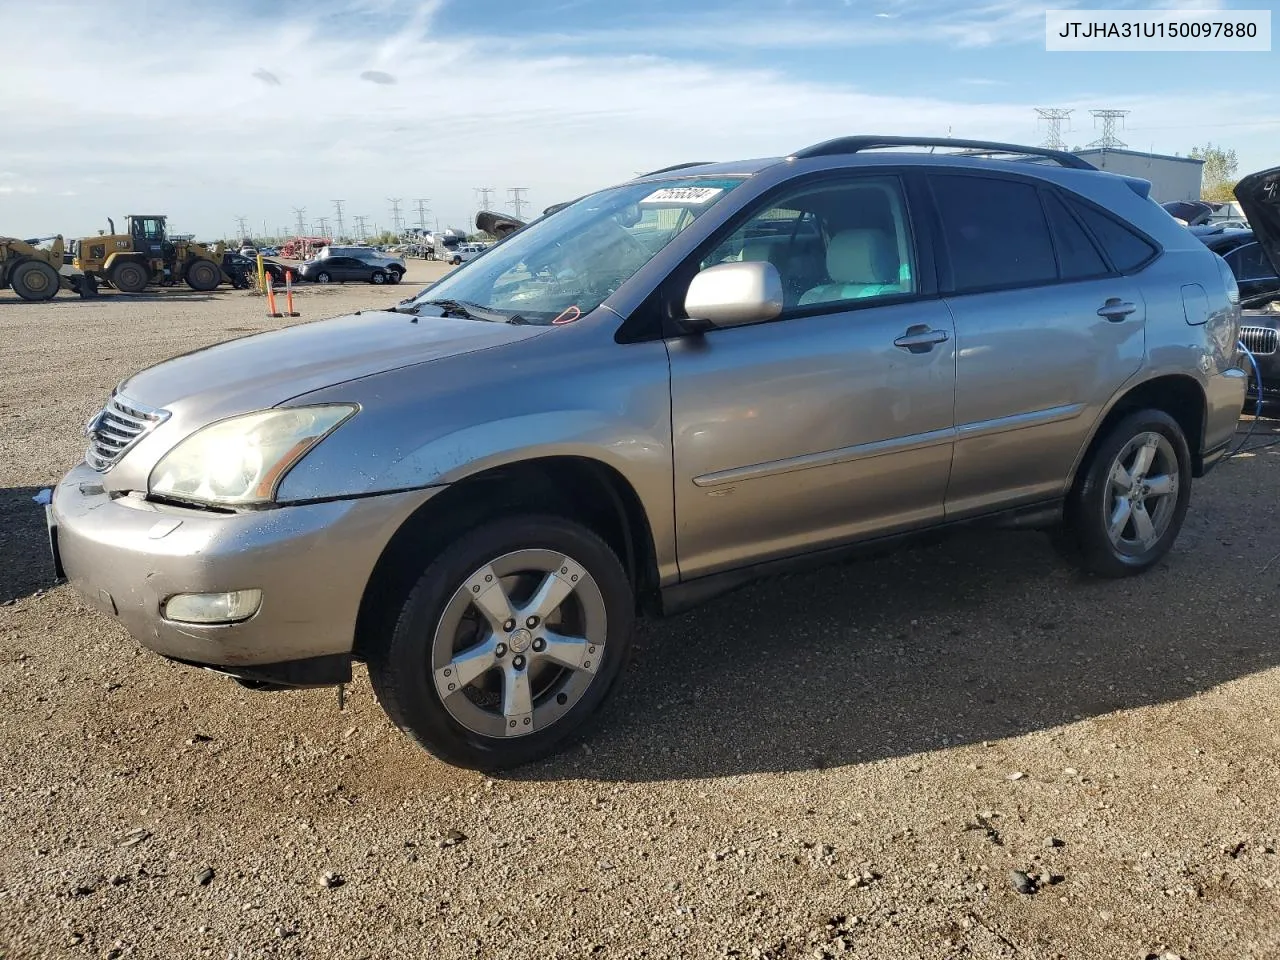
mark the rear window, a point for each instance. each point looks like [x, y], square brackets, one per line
[1125, 248]
[1077, 256]
[995, 232]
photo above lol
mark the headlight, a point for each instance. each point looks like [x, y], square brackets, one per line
[242, 460]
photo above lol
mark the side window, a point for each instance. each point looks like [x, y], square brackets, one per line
[831, 242]
[1249, 263]
[1078, 258]
[1125, 248]
[995, 232]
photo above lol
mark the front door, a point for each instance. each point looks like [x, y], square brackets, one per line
[832, 422]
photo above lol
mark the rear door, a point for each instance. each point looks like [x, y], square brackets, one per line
[1047, 329]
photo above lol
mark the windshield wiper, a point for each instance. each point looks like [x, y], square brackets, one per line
[470, 311]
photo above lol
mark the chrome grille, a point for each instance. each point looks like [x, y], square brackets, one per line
[116, 428]
[1262, 341]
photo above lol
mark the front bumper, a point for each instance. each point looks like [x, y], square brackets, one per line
[311, 561]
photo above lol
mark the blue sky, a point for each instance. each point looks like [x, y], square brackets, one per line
[251, 108]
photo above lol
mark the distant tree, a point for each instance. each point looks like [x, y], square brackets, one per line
[386, 236]
[1219, 176]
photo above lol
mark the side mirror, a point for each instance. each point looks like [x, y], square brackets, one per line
[732, 294]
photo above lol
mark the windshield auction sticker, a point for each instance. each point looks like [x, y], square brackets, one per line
[684, 196]
[1183, 31]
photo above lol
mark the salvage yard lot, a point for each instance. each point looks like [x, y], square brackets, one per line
[846, 762]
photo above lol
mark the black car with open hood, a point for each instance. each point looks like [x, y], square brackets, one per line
[1257, 269]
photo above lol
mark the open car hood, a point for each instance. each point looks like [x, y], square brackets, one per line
[1191, 212]
[1259, 195]
[497, 224]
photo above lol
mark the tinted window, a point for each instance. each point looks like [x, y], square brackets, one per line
[995, 232]
[1078, 258]
[1125, 248]
[831, 243]
[1250, 263]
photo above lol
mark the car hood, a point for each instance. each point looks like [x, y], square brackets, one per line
[1259, 195]
[267, 369]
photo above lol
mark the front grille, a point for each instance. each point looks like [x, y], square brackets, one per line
[116, 428]
[1262, 341]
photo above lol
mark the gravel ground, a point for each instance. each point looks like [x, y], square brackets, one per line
[852, 762]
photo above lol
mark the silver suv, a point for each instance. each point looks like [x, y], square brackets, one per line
[649, 396]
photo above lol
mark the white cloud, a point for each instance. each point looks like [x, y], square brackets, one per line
[211, 139]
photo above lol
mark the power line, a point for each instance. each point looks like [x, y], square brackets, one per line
[243, 224]
[1054, 115]
[300, 213]
[395, 213]
[324, 225]
[337, 215]
[360, 225]
[422, 213]
[485, 193]
[517, 200]
[1108, 118]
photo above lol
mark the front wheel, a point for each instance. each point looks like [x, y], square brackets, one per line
[508, 644]
[378, 277]
[323, 277]
[129, 277]
[203, 275]
[1128, 504]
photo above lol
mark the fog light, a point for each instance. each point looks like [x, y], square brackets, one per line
[228, 607]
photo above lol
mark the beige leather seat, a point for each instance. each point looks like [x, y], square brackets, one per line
[861, 262]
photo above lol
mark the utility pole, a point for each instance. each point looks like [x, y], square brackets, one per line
[324, 225]
[1054, 115]
[395, 213]
[517, 200]
[422, 213]
[1108, 118]
[243, 224]
[337, 215]
[360, 226]
[300, 213]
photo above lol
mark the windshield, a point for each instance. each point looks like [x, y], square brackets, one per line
[565, 265]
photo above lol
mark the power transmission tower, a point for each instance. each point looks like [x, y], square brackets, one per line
[337, 215]
[485, 193]
[517, 200]
[1054, 115]
[422, 213]
[300, 213]
[360, 226]
[395, 213]
[324, 225]
[243, 224]
[1108, 118]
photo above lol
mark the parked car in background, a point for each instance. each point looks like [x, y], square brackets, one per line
[343, 269]
[651, 396]
[1254, 258]
[242, 269]
[371, 255]
[248, 251]
[464, 252]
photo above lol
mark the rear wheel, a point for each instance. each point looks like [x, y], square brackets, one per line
[203, 275]
[1128, 504]
[129, 277]
[34, 280]
[508, 644]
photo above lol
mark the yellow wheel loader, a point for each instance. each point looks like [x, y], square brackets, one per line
[34, 269]
[144, 255]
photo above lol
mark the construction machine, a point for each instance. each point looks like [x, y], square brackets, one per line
[36, 270]
[144, 254]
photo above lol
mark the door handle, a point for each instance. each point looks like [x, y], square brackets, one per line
[920, 339]
[1116, 309]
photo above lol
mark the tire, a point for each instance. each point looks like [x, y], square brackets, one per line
[1103, 530]
[410, 666]
[34, 280]
[378, 277]
[129, 277]
[203, 275]
[323, 277]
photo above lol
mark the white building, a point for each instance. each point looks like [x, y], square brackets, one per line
[1172, 178]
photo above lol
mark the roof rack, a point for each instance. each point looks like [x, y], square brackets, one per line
[973, 148]
[676, 166]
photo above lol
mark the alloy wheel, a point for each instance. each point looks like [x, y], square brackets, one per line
[519, 643]
[1142, 493]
